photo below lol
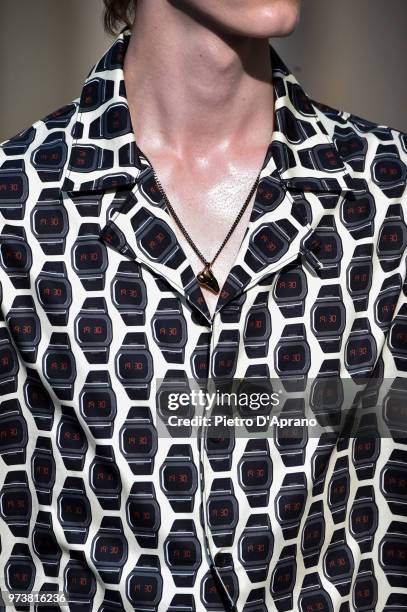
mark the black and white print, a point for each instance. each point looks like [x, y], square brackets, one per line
[101, 312]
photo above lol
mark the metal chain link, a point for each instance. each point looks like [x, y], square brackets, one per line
[184, 231]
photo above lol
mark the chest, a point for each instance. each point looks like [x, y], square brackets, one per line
[213, 204]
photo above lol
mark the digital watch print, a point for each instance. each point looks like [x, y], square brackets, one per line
[101, 312]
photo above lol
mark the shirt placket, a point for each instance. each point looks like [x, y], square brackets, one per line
[206, 482]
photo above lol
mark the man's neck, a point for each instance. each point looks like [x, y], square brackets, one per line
[192, 89]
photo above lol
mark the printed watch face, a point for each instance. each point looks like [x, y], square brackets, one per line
[295, 437]
[105, 478]
[25, 329]
[85, 159]
[327, 394]
[109, 550]
[394, 483]
[338, 563]
[199, 363]
[392, 238]
[290, 506]
[20, 575]
[363, 519]
[129, 294]
[365, 593]
[328, 247]
[98, 405]
[144, 588]
[256, 473]
[13, 433]
[116, 121]
[211, 595]
[292, 358]
[338, 490]
[350, 146]
[54, 293]
[79, 582]
[43, 470]
[215, 443]
[135, 366]
[49, 156]
[325, 159]
[151, 191]
[157, 241]
[49, 223]
[393, 553]
[256, 548]
[169, 331]
[138, 440]
[359, 351]
[385, 308]
[366, 447]
[15, 256]
[179, 479]
[94, 329]
[92, 94]
[358, 210]
[268, 195]
[224, 362]
[394, 409]
[13, 188]
[289, 286]
[15, 503]
[313, 535]
[182, 553]
[46, 545]
[143, 515]
[257, 325]
[329, 318]
[222, 512]
[89, 257]
[283, 579]
[359, 277]
[71, 437]
[59, 366]
[8, 362]
[74, 510]
[388, 171]
[398, 337]
[318, 601]
[269, 243]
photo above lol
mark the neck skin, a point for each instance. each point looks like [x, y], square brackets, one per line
[202, 109]
[193, 89]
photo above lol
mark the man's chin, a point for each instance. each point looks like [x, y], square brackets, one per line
[280, 19]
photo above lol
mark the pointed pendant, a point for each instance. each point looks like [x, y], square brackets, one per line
[206, 279]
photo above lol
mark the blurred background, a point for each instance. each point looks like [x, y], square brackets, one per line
[350, 54]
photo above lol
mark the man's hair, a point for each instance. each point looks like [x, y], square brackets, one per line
[118, 13]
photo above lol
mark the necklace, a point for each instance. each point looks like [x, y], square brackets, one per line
[206, 277]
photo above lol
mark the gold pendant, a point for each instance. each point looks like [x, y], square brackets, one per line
[206, 279]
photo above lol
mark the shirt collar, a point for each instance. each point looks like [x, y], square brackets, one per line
[302, 170]
[103, 153]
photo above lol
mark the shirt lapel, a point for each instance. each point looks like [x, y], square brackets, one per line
[104, 158]
[303, 178]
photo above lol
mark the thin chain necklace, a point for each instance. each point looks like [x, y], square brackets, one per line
[206, 277]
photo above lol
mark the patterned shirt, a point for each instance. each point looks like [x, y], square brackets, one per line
[104, 500]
